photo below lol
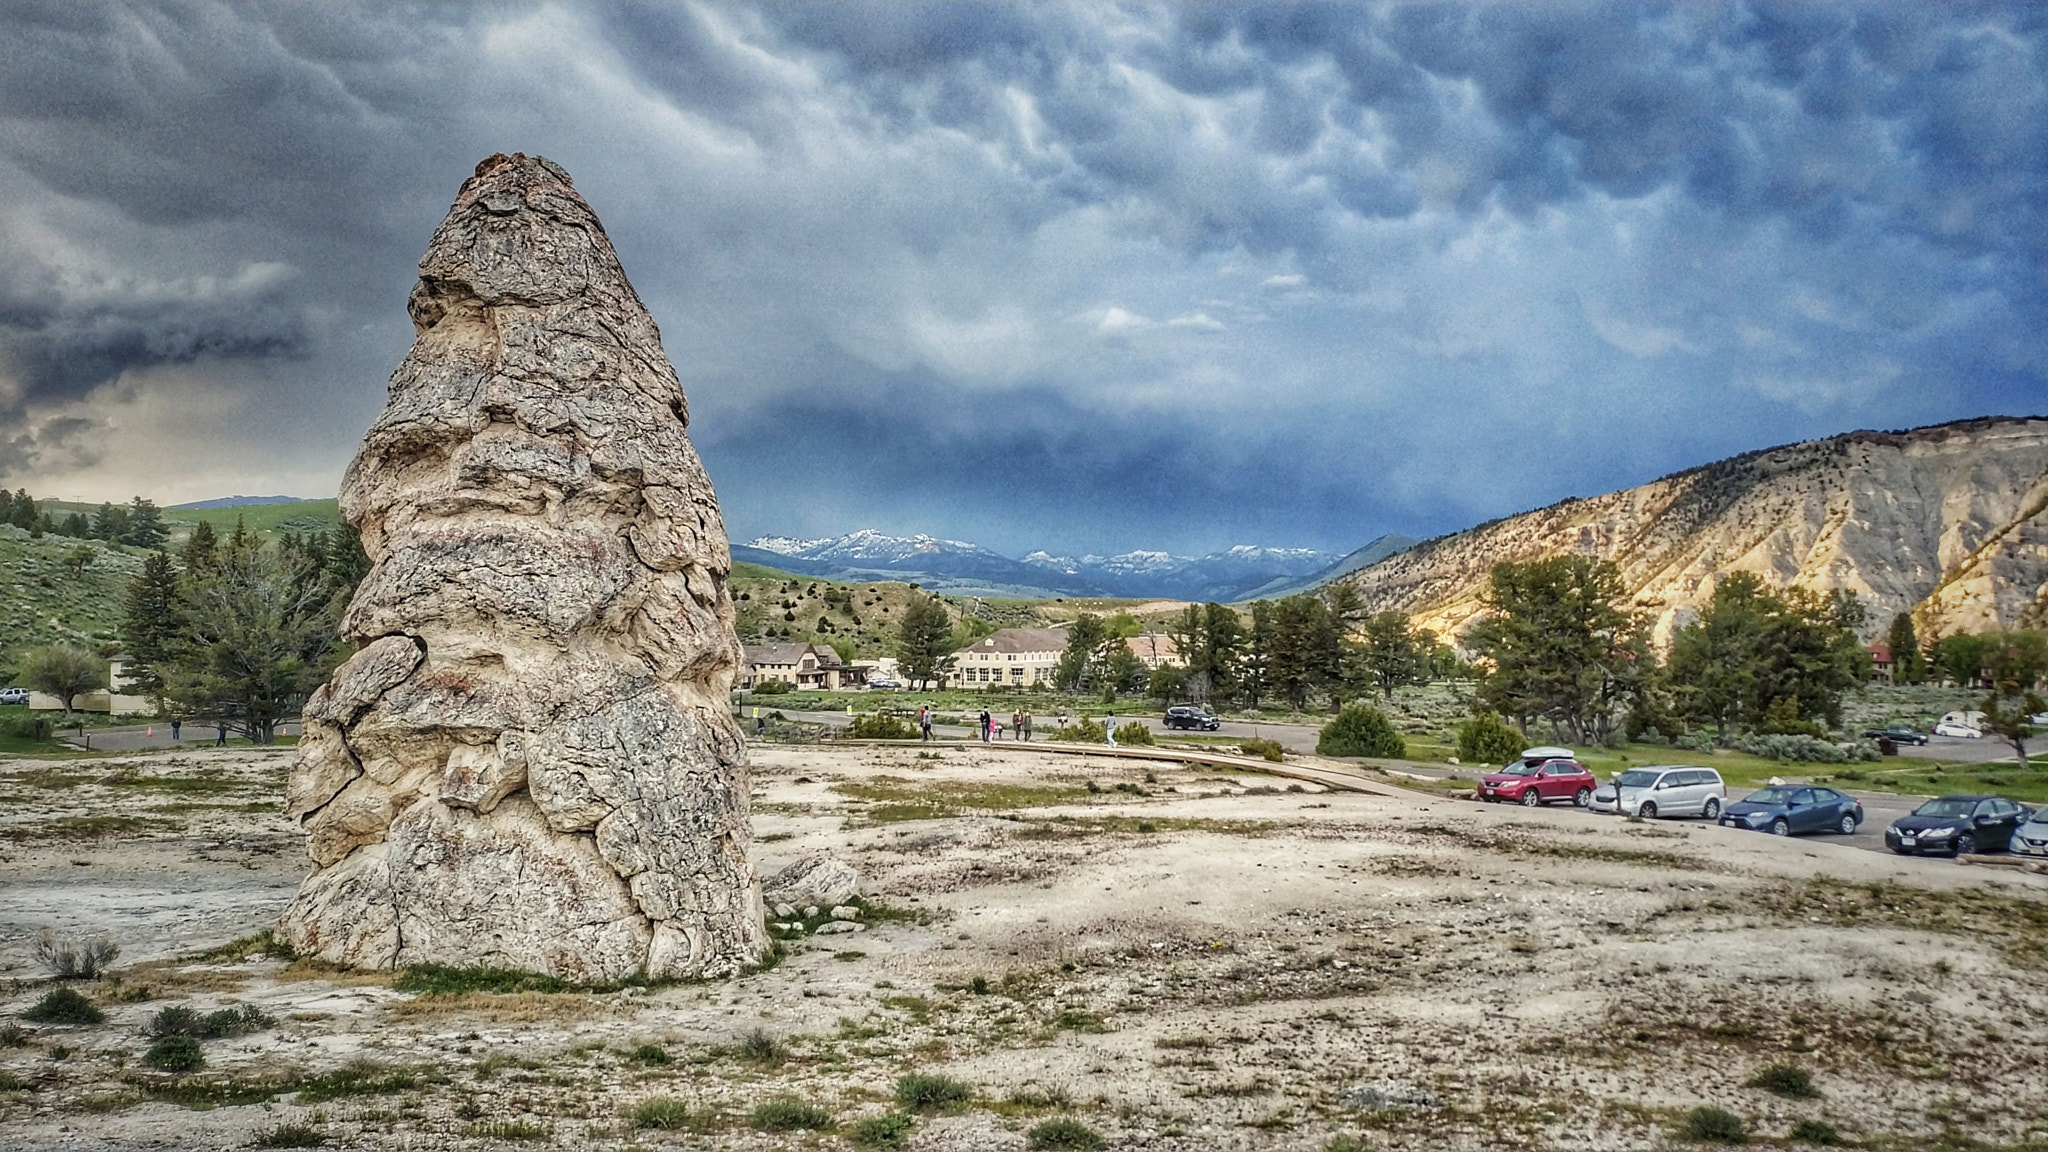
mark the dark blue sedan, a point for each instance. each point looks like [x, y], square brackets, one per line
[1781, 811]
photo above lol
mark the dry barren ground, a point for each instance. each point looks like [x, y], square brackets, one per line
[1175, 958]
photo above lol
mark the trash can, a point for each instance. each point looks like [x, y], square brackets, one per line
[1886, 746]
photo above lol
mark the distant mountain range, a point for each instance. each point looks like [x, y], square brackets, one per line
[233, 502]
[1239, 573]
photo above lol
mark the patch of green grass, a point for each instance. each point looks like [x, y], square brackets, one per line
[791, 1114]
[1345, 1142]
[668, 1114]
[759, 1046]
[885, 1133]
[1787, 1080]
[1710, 1125]
[649, 1054]
[1063, 1134]
[899, 799]
[359, 1079]
[64, 1006]
[923, 1092]
[263, 944]
[176, 785]
[441, 980]
[1815, 1132]
[91, 828]
[2018, 924]
[177, 1053]
[13, 1035]
[9, 1082]
[1076, 1020]
[849, 956]
[290, 1134]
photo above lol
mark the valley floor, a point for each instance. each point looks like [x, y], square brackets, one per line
[1179, 959]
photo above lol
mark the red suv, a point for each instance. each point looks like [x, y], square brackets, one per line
[1535, 780]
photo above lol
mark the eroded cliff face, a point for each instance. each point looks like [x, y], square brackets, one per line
[529, 762]
[1950, 522]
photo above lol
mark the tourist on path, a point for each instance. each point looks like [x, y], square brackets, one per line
[1017, 724]
[1025, 725]
[220, 735]
[1109, 728]
[175, 725]
[924, 721]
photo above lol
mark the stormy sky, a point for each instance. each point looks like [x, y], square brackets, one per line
[1081, 277]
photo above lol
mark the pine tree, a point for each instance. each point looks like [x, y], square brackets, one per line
[201, 550]
[1909, 664]
[924, 639]
[153, 621]
[145, 525]
[25, 512]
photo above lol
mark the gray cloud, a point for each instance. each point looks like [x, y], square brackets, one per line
[1321, 270]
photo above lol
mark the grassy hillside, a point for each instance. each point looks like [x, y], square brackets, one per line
[267, 519]
[43, 602]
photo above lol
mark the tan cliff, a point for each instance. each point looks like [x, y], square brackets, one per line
[1949, 522]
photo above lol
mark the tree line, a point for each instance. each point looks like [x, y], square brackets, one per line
[234, 630]
[139, 522]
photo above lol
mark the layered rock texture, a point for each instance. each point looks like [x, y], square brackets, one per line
[528, 763]
[1948, 522]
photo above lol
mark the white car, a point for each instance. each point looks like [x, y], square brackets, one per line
[1959, 731]
[13, 695]
[1673, 790]
[2031, 837]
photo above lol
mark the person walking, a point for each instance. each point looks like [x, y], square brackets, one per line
[984, 725]
[220, 735]
[1017, 724]
[175, 725]
[924, 721]
[1024, 726]
[1109, 728]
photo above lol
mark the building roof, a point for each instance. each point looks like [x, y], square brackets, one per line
[785, 652]
[1020, 640]
[1881, 652]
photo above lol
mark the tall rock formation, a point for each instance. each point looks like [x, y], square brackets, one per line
[529, 763]
[1948, 522]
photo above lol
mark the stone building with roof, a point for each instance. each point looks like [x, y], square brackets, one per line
[1017, 657]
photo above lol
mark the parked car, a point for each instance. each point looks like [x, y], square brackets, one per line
[1192, 716]
[1959, 731]
[1957, 826]
[1535, 780]
[883, 683]
[1897, 734]
[2031, 838]
[1669, 790]
[1782, 811]
[13, 695]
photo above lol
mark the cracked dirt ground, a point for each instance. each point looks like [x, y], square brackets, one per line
[1176, 957]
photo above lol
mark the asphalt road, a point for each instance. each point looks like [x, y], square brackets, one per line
[1962, 751]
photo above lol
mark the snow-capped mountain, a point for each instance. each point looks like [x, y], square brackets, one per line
[958, 565]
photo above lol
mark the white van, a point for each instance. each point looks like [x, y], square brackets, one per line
[1670, 790]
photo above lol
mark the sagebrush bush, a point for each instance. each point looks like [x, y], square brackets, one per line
[1787, 1080]
[664, 1113]
[1063, 1134]
[1487, 739]
[74, 957]
[290, 1135]
[1815, 1132]
[1082, 731]
[885, 1133]
[1265, 749]
[790, 1114]
[1134, 732]
[1361, 730]
[880, 726]
[177, 1053]
[63, 1006]
[1711, 1125]
[920, 1092]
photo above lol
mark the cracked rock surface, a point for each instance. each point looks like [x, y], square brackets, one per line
[528, 763]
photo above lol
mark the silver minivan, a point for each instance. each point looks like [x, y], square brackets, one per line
[1671, 790]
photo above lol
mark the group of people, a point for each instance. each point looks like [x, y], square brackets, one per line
[992, 728]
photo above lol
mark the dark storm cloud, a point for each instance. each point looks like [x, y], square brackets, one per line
[1323, 270]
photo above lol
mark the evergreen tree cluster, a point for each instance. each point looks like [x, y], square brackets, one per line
[237, 630]
[138, 523]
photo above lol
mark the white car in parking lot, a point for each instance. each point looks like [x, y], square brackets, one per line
[1672, 790]
[1958, 731]
[2031, 837]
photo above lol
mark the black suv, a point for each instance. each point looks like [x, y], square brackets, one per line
[1192, 716]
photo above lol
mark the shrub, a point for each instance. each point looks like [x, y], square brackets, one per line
[13, 1035]
[665, 1113]
[1487, 739]
[762, 1047]
[880, 726]
[789, 1114]
[179, 1020]
[1695, 742]
[922, 1093]
[1063, 1133]
[649, 1054]
[73, 957]
[1262, 748]
[1082, 731]
[1345, 1142]
[1361, 730]
[290, 1135]
[885, 1133]
[1787, 1080]
[176, 1053]
[1715, 1126]
[64, 1006]
[770, 688]
[1815, 1132]
[1805, 749]
[1134, 732]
